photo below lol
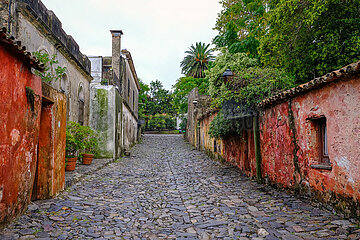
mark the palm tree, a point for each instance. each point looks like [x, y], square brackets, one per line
[196, 60]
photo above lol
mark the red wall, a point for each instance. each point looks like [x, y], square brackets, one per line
[239, 151]
[339, 103]
[290, 144]
[19, 133]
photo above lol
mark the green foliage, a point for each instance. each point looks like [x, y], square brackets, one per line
[241, 25]
[160, 121]
[251, 83]
[51, 73]
[221, 128]
[73, 141]
[183, 123]
[90, 139]
[155, 99]
[143, 98]
[309, 38]
[104, 82]
[182, 88]
[260, 83]
[80, 137]
[197, 60]
[235, 62]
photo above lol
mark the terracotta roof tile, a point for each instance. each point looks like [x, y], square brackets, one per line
[341, 74]
[19, 50]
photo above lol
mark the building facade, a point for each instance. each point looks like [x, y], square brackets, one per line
[40, 30]
[114, 99]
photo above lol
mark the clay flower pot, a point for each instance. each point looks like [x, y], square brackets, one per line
[71, 164]
[87, 158]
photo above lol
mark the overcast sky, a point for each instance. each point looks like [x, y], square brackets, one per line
[156, 32]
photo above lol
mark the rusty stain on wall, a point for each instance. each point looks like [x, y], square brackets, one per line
[50, 176]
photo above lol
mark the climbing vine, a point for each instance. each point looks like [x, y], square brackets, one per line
[51, 73]
[222, 128]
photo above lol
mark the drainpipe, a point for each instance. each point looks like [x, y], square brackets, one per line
[257, 147]
[9, 16]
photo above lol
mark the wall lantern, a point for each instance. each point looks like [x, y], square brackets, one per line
[227, 75]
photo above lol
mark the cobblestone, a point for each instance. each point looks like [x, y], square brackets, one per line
[167, 190]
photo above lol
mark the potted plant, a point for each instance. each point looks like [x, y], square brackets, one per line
[90, 143]
[73, 144]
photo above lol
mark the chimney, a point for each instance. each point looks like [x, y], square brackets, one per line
[116, 58]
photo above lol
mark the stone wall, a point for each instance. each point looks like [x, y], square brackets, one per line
[4, 9]
[131, 84]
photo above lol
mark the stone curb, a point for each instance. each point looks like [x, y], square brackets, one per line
[83, 170]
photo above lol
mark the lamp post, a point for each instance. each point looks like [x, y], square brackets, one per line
[227, 75]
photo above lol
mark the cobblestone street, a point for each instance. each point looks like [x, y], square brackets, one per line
[167, 190]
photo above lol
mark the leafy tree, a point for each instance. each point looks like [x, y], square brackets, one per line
[240, 25]
[182, 88]
[197, 60]
[144, 96]
[309, 38]
[160, 99]
[225, 60]
[251, 83]
[160, 121]
[154, 99]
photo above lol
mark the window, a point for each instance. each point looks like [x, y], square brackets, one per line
[128, 89]
[323, 144]
[133, 100]
[323, 162]
[63, 83]
[81, 101]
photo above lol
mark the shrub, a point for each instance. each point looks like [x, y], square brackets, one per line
[80, 137]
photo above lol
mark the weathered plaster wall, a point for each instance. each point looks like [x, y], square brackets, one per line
[290, 141]
[19, 121]
[276, 134]
[131, 92]
[50, 177]
[96, 68]
[191, 124]
[103, 117]
[75, 84]
[339, 103]
[130, 127]
[239, 150]
[213, 147]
